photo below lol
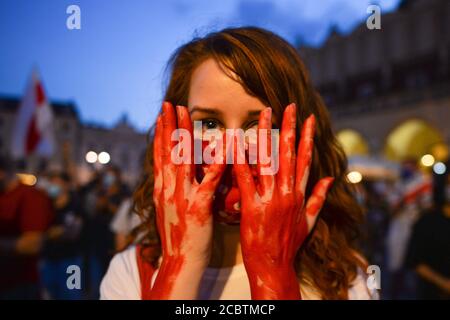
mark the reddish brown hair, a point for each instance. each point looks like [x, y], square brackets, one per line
[270, 69]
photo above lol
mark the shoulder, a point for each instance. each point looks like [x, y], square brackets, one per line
[121, 281]
[125, 206]
[359, 289]
[119, 222]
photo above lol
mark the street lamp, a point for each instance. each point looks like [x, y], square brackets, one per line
[104, 157]
[439, 168]
[91, 157]
[427, 160]
[354, 176]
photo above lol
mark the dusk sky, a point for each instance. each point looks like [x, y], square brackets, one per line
[115, 63]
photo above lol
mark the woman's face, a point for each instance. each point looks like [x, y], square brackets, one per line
[222, 103]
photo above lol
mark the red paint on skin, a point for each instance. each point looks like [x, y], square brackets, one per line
[265, 123]
[305, 148]
[224, 202]
[316, 201]
[286, 178]
[185, 205]
[272, 231]
[165, 280]
[274, 224]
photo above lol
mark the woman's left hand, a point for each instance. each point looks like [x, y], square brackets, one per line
[275, 220]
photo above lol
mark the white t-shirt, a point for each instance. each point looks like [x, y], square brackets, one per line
[124, 221]
[122, 282]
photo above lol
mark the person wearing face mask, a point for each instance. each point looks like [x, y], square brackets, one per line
[25, 214]
[413, 195]
[108, 195]
[62, 246]
[429, 248]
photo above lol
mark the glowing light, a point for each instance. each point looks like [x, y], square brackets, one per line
[91, 157]
[439, 168]
[440, 152]
[104, 157]
[352, 142]
[28, 179]
[427, 160]
[354, 176]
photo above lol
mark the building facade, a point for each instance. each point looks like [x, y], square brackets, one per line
[125, 145]
[389, 89]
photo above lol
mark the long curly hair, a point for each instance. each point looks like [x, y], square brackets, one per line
[270, 69]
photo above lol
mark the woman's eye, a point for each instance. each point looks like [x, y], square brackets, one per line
[210, 124]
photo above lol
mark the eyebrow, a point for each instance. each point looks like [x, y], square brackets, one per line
[205, 110]
[215, 111]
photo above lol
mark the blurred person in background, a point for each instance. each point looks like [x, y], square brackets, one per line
[62, 246]
[377, 215]
[105, 197]
[376, 224]
[429, 249]
[413, 196]
[87, 194]
[25, 215]
[123, 223]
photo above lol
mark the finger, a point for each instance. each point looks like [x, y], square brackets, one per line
[214, 172]
[243, 174]
[185, 171]
[169, 125]
[316, 201]
[266, 178]
[157, 159]
[286, 175]
[158, 175]
[304, 156]
[169, 170]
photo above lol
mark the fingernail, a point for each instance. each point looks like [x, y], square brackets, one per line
[330, 181]
[291, 111]
[180, 112]
[268, 113]
[310, 125]
[166, 106]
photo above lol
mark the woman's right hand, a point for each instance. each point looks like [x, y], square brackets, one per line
[183, 211]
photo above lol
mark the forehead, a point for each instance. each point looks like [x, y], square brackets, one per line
[211, 87]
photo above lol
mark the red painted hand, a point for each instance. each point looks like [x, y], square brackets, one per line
[183, 211]
[275, 220]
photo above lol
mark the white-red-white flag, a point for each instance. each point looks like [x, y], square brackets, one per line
[33, 132]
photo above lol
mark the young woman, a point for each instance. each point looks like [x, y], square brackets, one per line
[225, 231]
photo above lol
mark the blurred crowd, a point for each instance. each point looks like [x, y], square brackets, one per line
[55, 223]
[407, 232]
